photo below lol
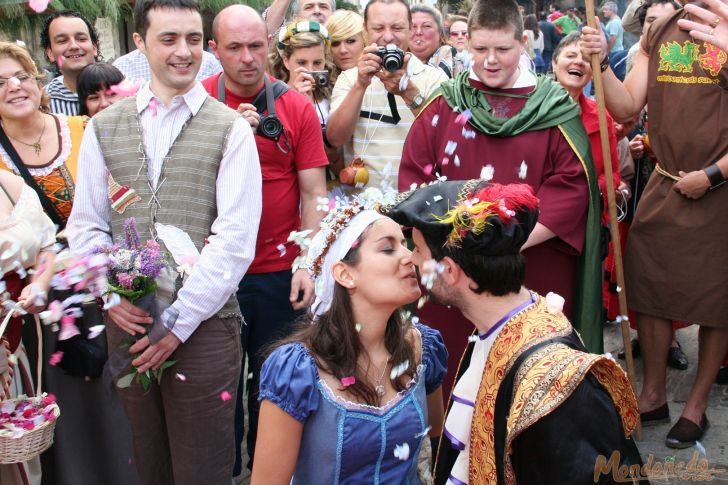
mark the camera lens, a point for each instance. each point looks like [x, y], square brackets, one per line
[392, 62]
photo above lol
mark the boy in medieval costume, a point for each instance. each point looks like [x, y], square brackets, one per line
[500, 121]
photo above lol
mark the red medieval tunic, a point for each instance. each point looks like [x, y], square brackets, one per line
[677, 255]
[552, 169]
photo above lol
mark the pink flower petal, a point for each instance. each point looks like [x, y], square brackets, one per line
[60, 59]
[181, 377]
[55, 358]
[126, 88]
[348, 381]
[463, 117]
[445, 161]
[428, 169]
[39, 6]
[225, 396]
[153, 105]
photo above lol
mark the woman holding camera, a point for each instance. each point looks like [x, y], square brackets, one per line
[303, 60]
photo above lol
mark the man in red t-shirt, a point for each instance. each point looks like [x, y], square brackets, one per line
[271, 296]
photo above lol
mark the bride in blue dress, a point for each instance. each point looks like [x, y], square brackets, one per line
[353, 394]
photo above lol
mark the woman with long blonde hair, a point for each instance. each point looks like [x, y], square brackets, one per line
[346, 29]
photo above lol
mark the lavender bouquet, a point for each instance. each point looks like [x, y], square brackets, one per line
[132, 273]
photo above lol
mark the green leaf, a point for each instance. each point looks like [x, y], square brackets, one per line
[167, 364]
[125, 381]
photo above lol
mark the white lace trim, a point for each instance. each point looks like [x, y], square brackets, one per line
[366, 407]
[60, 159]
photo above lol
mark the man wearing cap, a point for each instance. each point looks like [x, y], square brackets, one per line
[525, 381]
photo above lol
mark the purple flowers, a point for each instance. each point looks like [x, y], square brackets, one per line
[134, 266]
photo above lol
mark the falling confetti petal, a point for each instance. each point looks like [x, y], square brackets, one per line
[619, 289]
[403, 82]
[445, 161]
[282, 249]
[20, 43]
[55, 358]
[357, 327]
[39, 6]
[464, 117]
[95, 331]
[225, 396]
[554, 302]
[423, 433]
[181, 377]
[127, 88]
[450, 147]
[323, 204]
[402, 451]
[468, 134]
[435, 119]
[111, 300]
[153, 105]
[700, 448]
[487, 173]
[421, 302]
[523, 170]
[428, 169]
[473, 338]
[437, 198]
[60, 59]
[348, 381]
[399, 369]
[456, 161]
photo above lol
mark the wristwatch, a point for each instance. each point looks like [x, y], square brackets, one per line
[604, 65]
[417, 101]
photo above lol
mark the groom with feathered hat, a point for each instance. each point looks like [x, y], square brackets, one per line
[530, 404]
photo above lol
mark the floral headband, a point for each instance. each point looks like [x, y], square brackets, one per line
[304, 26]
[341, 227]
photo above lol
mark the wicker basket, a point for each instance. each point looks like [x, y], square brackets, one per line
[30, 444]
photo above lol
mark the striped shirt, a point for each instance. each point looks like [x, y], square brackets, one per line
[63, 100]
[231, 246]
[379, 143]
[135, 66]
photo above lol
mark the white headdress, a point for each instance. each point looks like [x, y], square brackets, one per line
[339, 230]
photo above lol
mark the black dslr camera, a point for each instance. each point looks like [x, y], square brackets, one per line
[320, 78]
[392, 57]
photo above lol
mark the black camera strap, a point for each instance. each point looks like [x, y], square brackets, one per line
[394, 119]
[264, 99]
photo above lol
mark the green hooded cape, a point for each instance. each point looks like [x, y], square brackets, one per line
[547, 106]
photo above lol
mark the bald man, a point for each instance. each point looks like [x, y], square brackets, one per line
[275, 290]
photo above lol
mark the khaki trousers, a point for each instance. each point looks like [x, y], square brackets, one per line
[182, 429]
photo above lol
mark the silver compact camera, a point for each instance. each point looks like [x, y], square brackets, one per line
[320, 78]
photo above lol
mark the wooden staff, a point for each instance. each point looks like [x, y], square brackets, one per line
[612, 205]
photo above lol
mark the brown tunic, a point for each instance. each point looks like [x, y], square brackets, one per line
[676, 258]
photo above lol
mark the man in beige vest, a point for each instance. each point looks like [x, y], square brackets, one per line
[193, 164]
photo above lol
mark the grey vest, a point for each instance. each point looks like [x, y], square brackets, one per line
[187, 182]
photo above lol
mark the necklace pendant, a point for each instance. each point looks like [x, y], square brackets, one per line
[36, 146]
[380, 390]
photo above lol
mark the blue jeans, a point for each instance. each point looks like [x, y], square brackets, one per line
[263, 299]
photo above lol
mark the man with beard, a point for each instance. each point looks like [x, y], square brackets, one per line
[530, 406]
